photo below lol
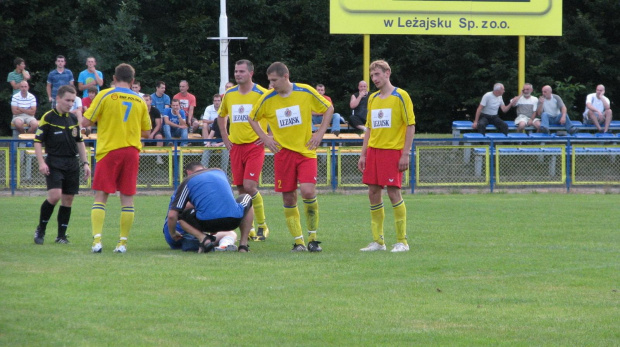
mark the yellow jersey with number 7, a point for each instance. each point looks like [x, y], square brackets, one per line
[121, 116]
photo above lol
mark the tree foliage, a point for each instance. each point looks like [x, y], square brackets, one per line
[168, 40]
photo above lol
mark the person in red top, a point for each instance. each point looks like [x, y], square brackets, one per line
[92, 92]
[188, 104]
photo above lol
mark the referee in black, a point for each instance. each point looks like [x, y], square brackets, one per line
[59, 133]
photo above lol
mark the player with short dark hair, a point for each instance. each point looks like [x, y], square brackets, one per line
[59, 132]
[247, 153]
[225, 240]
[288, 110]
[214, 210]
[122, 119]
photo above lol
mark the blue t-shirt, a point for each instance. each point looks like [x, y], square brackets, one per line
[175, 244]
[210, 193]
[172, 117]
[86, 77]
[59, 79]
[160, 102]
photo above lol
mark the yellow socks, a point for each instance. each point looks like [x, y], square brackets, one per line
[259, 209]
[311, 207]
[127, 216]
[400, 218]
[97, 216]
[293, 222]
[377, 215]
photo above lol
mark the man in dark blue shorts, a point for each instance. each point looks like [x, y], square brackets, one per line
[204, 206]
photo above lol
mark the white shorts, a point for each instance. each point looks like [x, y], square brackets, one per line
[523, 118]
[25, 118]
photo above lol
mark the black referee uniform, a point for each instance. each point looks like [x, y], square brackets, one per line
[59, 134]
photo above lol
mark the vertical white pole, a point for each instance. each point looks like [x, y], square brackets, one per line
[223, 46]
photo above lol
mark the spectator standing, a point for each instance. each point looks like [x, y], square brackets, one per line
[386, 154]
[160, 99]
[19, 74]
[118, 150]
[57, 78]
[91, 77]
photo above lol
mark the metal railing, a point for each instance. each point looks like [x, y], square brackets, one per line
[435, 163]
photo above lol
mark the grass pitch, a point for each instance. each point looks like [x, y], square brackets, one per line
[522, 269]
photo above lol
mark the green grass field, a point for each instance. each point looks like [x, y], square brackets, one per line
[501, 269]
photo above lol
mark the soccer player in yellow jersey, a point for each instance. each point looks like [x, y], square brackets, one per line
[288, 110]
[122, 119]
[386, 154]
[247, 153]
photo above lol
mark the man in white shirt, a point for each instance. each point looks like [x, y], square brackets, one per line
[23, 107]
[487, 111]
[597, 109]
[526, 108]
[209, 118]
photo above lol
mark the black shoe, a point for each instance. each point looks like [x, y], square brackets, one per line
[313, 246]
[62, 240]
[572, 130]
[262, 232]
[336, 133]
[207, 245]
[39, 236]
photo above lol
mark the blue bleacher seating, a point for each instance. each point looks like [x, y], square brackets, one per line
[463, 126]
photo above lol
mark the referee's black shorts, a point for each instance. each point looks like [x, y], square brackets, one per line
[64, 174]
[219, 224]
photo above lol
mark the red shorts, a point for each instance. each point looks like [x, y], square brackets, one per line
[246, 162]
[118, 171]
[291, 167]
[382, 167]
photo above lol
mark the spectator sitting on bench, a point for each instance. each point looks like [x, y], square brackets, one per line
[317, 118]
[487, 112]
[210, 116]
[552, 111]
[359, 103]
[526, 108]
[174, 122]
[156, 127]
[23, 107]
[597, 109]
